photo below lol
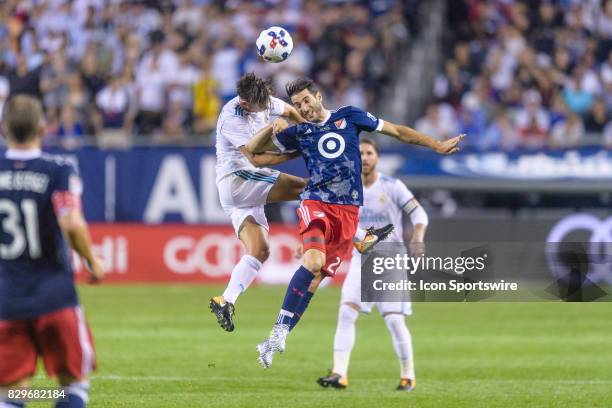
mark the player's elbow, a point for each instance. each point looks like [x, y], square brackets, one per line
[71, 222]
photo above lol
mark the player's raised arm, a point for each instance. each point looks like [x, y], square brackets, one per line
[292, 114]
[263, 141]
[412, 136]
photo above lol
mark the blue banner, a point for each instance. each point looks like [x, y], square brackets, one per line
[177, 184]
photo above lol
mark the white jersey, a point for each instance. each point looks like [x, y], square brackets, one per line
[235, 127]
[383, 203]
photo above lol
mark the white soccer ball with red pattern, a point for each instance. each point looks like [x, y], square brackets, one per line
[274, 44]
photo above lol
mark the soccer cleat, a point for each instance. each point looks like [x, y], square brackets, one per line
[406, 384]
[373, 237]
[265, 356]
[333, 380]
[224, 312]
[274, 343]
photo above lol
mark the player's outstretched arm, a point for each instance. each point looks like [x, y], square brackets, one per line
[409, 135]
[75, 230]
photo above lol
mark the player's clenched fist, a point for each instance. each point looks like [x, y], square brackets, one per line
[96, 270]
[279, 125]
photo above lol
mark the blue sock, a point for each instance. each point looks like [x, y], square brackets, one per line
[77, 395]
[296, 290]
[301, 308]
[11, 404]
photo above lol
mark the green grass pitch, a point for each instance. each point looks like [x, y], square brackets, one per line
[159, 346]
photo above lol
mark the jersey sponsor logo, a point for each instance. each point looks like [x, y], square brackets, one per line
[331, 145]
[340, 124]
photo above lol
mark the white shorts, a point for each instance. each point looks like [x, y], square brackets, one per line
[351, 292]
[244, 193]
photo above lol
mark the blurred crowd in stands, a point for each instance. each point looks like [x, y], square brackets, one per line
[525, 74]
[163, 69]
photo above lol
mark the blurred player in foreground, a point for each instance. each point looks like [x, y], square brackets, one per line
[385, 200]
[329, 211]
[40, 211]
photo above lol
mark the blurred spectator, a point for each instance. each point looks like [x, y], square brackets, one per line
[532, 121]
[598, 116]
[351, 47]
[568, 132]
[113, 102]
[439, 122]
[22, 80]
[544, 62]
[71, 130]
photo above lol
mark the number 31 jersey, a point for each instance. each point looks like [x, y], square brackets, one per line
[36, 276]
[331, 152]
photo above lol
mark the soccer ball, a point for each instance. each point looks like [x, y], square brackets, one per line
[274, 44]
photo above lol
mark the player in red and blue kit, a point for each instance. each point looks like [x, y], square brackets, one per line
[40, 209]
[328, 214]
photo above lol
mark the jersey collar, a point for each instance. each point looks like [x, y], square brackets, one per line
[29, 154]
[324, 121]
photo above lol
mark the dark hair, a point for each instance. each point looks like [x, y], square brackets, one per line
[298, 85]
[372, 143]
[254, 90]
[21, 118]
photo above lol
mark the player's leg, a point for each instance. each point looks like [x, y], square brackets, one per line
[402, 344]
[344, 339]
[254, 237]
[300, 286]
[18, 357]
[286, 188]
[243, 197]
[68, 353]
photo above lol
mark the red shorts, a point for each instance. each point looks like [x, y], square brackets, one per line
[62, 338]
[329, 228]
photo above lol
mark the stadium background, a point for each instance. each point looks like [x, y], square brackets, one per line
[132, 89]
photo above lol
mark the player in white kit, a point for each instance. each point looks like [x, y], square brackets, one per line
[244, 187]
[386, 199]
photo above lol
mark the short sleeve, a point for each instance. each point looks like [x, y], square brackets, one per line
[365, 120]
[235, 131]
[401, 195]
[286, 140]
[67, 190]
[277, 106]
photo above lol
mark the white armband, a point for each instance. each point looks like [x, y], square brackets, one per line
[416, 212]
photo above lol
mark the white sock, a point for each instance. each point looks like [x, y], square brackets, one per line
[402, 343]
[344, 339]
[242, 276]
[360, 234]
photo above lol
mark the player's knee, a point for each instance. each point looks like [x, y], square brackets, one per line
[261, 252]
[314, 261]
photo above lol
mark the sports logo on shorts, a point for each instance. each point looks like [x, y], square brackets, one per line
[331, 145]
